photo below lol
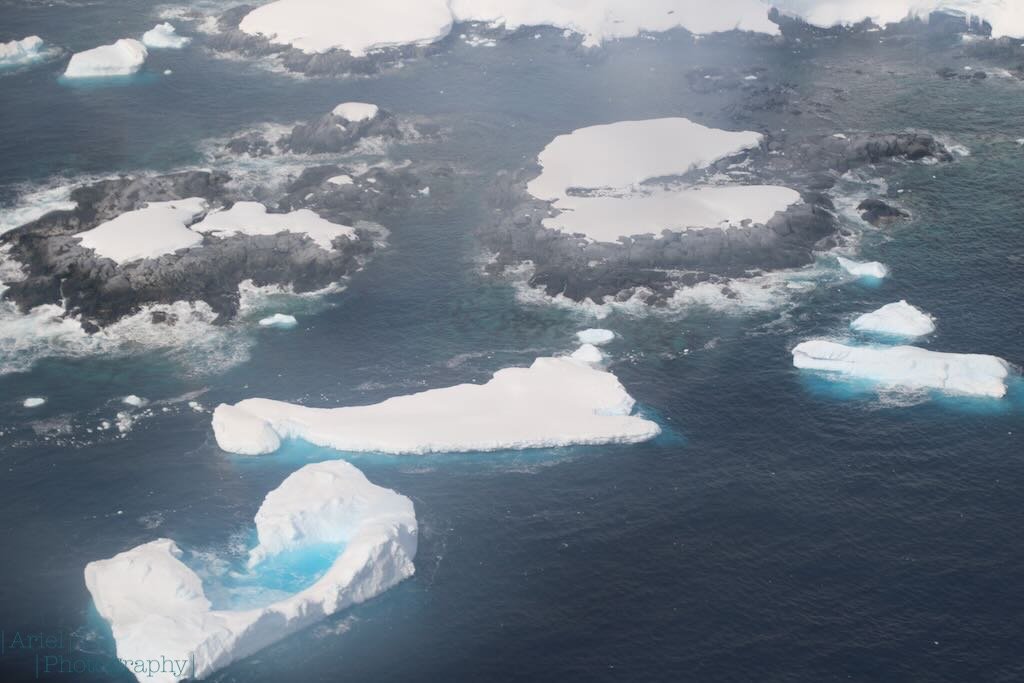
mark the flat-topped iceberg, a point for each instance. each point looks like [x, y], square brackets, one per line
[251, 218]
[869, 269]
[158, 609]
[908, 367]
[593, 177]
[595, 336]
[24, 51]
[122, 58]
[157, 229]
[360, 27]
[898, 319]
[164, 36]
[554, 402]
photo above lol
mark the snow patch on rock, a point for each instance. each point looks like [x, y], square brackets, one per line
[251, 218]
[158, 229]
[356, 111]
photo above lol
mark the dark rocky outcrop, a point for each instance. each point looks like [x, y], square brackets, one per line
[877, 212]
[332, 134]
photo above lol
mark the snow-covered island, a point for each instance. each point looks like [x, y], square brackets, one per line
[156, 603]
[907, 367]
[554, 402]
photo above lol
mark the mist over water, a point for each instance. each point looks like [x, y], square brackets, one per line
[784, 527]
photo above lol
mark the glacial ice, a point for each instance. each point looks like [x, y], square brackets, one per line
[164, 36]
[609, 162]
[157, 607]
[360, 27]
[595, 336]
[134, 401]
[871, 269]
[159, 228]
[24, 51]
[587, 353]
[122, 58]
[907, 367]
[279, 320]
[251, 218]
[33, 402]
[898, 319]
[356, 111]
[554, 402]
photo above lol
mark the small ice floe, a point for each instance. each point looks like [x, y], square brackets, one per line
[868, 269]
[279, 321]
[898, 319]
[595, 336]
[588, 353]
[164, 36]
[25, 51]
[123, 58]
[134, 401]
[33, 402]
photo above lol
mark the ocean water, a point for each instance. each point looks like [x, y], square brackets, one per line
[785, 527]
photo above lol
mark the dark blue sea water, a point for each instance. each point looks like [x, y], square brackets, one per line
[784, 528]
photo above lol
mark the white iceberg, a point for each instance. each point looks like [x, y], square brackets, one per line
[24, 51]
[871, 269]
[595, 336]
[251, 218]
[164, 36]
[122, 58]
[33, 402]
[356, 111]
[898, 319]
[158, 229]
[609, 162]
[134, 401]
[554, 402]
[361, 27]
[158, 610]
[279, 320]
[908, 367]
[587, 353]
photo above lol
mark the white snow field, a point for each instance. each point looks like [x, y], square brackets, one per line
[908, 367]
[871, 269]
[122, 58]
[159, 228]
[251, 218]
[279, 320]
[595, 336]
[356, 111]
[554, 402]
[1005, 16]
[898, 319]
[25, 51]
[611, 161]
[360, 27]
[164, 36]
[157, 608]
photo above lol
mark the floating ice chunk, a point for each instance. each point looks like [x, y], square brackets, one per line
[863, 269]
[898, 319]
[122, 58]
[359, 27]
[356, 111]
[164, 36]
[595, 336]
[251, 218]
[33, 402]
[554, 402]
[159, 228]
[622, 154]
[279, 320]
[134, 401]
[908, 367]
[340, 180]
[24, 51]
[244, 433]
[157, 607]
[588, 353]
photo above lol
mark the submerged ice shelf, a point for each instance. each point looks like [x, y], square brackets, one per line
[907, 367]
[156, 604]
[554, 402]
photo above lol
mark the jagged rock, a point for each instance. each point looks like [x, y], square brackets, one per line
[877, 212]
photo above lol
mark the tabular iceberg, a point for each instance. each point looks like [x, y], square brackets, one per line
[122, 58]
[157, 608]
[164, 36]
[908, 367]
[872, 269]
[595, 336]
[554, 402]
[898, 319]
